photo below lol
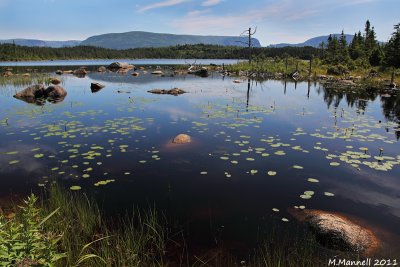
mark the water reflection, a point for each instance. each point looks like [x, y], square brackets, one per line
[242, 131]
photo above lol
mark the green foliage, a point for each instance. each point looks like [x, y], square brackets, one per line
[338, 69]
[9, 52]
[392, 49]
[24, 240]
[363, 52]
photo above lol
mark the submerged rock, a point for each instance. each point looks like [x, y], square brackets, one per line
[174, 91]
[339, 232]
[182, 139]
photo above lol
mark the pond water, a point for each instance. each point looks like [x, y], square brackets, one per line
[255, 147]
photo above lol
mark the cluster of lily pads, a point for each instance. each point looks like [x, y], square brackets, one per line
[80, 147]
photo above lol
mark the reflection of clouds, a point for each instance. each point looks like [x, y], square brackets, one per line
[366, 196]
[27, 163]
[382, 193]
[175, 113]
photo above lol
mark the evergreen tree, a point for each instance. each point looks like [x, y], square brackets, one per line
[356, 49]
[376, 57]
[343, 56]
[392, 49]
[370, 43]
[332, 51]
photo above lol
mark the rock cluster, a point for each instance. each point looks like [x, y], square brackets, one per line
[38, 93]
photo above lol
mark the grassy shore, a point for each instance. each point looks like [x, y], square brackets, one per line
[284, 68]
[64, 228]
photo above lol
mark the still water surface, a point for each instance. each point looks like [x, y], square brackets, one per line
[255, 146]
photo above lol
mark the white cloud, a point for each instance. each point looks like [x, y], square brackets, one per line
[357, 2]
[198, 12]
[211, 2]
[215, 24]
[161, 4]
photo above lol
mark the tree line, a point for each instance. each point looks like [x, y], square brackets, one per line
[12, 52]
[363, 51]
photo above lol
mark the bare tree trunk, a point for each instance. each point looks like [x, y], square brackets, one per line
[392, 84]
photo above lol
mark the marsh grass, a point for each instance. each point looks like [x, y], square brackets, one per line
[23, 81]
[136, 239]
[69, 229]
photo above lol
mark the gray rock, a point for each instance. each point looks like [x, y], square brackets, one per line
[120, 65]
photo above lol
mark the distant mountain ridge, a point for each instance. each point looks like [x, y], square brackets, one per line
[137, 39]
[314, 42]
[41, 43]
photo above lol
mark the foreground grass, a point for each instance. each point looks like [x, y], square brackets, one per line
[68, 229]
[75, 234]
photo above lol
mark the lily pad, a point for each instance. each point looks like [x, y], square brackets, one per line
[298, 167]
[75, 188]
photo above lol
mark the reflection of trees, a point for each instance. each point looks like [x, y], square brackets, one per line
[354, 98]
[360, 98]
[391, 110]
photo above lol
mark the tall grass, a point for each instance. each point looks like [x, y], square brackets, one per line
[76, 233]
[134, 240]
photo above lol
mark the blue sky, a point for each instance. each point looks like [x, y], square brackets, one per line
[277, 21]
